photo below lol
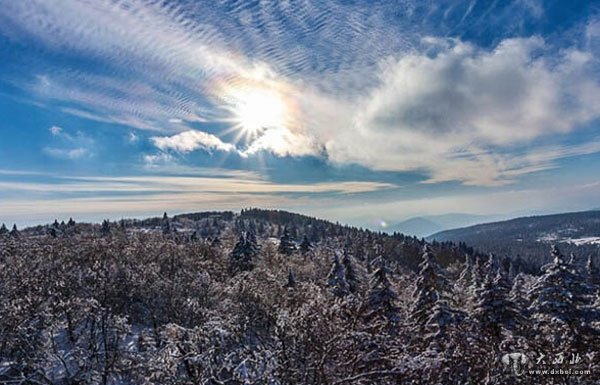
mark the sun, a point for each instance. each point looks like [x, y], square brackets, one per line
[255, 110]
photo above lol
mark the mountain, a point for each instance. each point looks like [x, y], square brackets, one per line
[577, 232]
[418, 226]
[426, 225]
[254, 297]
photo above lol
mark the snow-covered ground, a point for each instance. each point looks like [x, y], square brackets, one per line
[576, 241]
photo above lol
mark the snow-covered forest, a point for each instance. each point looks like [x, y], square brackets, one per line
[269, 297]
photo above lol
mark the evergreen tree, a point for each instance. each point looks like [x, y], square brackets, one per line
[286, 244]
[593, 274]
[71, 222]
[216, 242]
[382, 298]
[305, 245]
[518, 294]
[14, 232]
[477, 275]
[291, 280]
[336, 279]
[166, 224]
[252, 243]
[350, 273]
[3, 229]
[105, 228]
[431, 313]
[242, 255]
[494, 310]
[561, 304]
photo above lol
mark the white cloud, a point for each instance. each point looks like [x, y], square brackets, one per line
[68, 146]
[283, 142]
[191, 140]
[132, 137]
[448, 109]
[459, 113]
[64, 153]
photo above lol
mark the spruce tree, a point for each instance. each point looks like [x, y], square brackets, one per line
[3, 229]
[252, 243]
[291, 280]
[494, 310]
[350, 273]
[166, 224]
[305, 245]
[561, 304]
[593, 275]
[286, 244]
[242, 255]
[336, 279]
[105, 228]
[431, 313]
[14, 232]
[382, 298]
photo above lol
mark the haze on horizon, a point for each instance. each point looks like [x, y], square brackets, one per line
[358, 111]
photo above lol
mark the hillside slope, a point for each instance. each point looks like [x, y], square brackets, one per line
[577, 232]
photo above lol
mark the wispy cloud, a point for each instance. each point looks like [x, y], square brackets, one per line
[62, 153]
[137, 195]
[68, 146]
[364, 88]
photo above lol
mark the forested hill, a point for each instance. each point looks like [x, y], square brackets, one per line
[399, 249]
[270, 297]
[530, 237]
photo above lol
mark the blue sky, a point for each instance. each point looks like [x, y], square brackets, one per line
[357, 111]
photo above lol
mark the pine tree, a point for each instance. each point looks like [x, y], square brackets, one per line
[14, 232]
[431, 313]
[216, 242]
[494, 310]
[336, 279]
[593, 274]
[71, 222]
[166, 224]
[105, 228]
[291, 280]
[561, 304]
[286, 244]
[3, 229]
[350, 273]
[252, 243]
[242, 255]
[463, 295]
[305, 245]
[477, 275]
[382, 298]
[518, 294]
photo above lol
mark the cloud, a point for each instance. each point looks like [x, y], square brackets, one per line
[62, 153]
[132, 137]
[68, 146]
[55, 130]
[209, 189]
[458, 113]
[191, 140]
[365, 88]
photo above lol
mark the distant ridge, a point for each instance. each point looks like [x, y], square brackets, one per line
[577, 232]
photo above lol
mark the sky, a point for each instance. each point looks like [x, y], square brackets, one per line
[365, 112]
